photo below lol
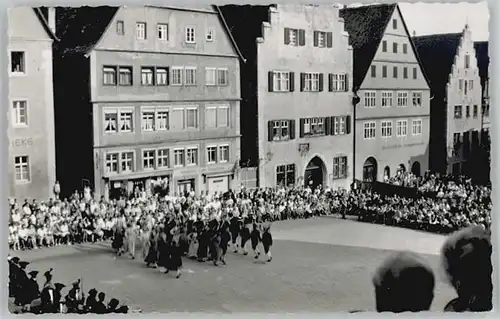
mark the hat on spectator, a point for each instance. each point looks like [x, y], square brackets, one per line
[92, 292]
[404, 282]
[15, 260]
[48, 274]
[23, 264]
[59, 286]
[33, 273]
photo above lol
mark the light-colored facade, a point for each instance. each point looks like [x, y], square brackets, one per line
[464, 100]
[31, 104]
[304, 65]
[165, 91]
[393, 115]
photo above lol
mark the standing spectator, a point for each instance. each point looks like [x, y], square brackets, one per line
[57, 190]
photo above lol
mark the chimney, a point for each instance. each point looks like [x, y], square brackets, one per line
[414, 33]
[51, 18]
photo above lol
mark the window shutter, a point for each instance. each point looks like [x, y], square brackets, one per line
[292, 129]
[168, 75]
[302, 37]
[292, 81]
[328, 125]
[330, 82]
[270, 127]
[270, 82]
[302, 81]
[329, 39]
[321, 82]
[332, 127]
[348, 124]
[301, 128]
[315, 38]
[287, 36]
[347, 82]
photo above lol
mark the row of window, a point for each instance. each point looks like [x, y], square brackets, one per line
[22, 173]
[387, 99]
[465, 86]
[395, 72]
[162, 32]
[154, 159]
[163, 76]
[395, 47]
[297, 37]
[458, 111]
[284, 81]
[157, 119]
[286, 175]
[284, 130]
[370, 128]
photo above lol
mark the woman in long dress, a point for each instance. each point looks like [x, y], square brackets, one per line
[193, 245]
[152, 256]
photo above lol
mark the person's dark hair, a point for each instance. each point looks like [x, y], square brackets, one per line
[101, 296]
[466, 259]
[403, 282]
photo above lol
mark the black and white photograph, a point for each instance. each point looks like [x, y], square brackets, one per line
[230, 158]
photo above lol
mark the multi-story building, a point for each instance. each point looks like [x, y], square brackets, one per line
[296, 94]
[392, 116]
[31, 103]
[450, 62]
[483, 64]
[154, 99]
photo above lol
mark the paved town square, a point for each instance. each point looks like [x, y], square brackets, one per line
[318, 265]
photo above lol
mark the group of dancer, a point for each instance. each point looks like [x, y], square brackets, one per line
[166, 242]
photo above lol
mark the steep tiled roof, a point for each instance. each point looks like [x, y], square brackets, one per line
[366, 26]
[483, 59]
[437, 53]
[43, 17]
[81, 28]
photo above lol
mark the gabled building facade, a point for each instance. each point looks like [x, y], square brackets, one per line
[457, 103]
[161, 98]
[31, 103]
[301, 81]
[392, 118]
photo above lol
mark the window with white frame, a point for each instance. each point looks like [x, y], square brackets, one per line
[369, 130]
[120, 27]
[403, 99]
[460, 84]
[126, 121]
[210, 76]
[192, 117]
[161, 76]
[163, 158]
[22, 169]
[19, 113]
[321, 39]
[190, 76]
[223, 116]
[281, 81]
[417, 98]
[162, 120]
[293, 35]
[281, 131]
[338, 82]
[222, 76]
[416, 127]
[314, 126]
[211, 154]
[110, 121]
[147, 76]
[177, 119]
[191, 156]
[140, 30]
[211, 117]
[285, 175]
[17, 62]
[471, 85]
[386, 128]
[112, 163]
[176, 78]
[223, 153]
[125, 76]
[340, 167]
[370, 98]
[190, 35]
[339, 125]
[162, 31]
[148, 159]
[210, 35]
[402, 128]
[148, 120]
[386, 99]
[311, 82]
[178, 157]
[127, 162]
[109, 75]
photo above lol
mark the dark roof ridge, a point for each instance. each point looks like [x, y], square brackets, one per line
[45, 24]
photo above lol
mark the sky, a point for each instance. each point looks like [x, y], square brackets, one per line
[432, 18]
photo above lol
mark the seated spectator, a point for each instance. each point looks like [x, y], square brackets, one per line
[466, 257]
[404, 282]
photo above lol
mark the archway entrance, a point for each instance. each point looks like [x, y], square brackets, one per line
[370, 170]
[387, 173]
[315, 173]
[415, 169]
[401, 168]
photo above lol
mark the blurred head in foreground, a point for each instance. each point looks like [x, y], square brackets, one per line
[466, 257]
[404, 282]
